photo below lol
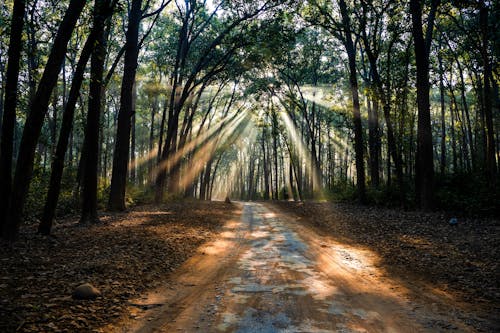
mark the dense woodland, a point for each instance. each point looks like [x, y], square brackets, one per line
[110, 103]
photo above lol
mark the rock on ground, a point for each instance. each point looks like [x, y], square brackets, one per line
[86, 291]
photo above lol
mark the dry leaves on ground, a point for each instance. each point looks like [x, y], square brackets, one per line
[125, 255]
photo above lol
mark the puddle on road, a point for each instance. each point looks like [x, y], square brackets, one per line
[265, 294]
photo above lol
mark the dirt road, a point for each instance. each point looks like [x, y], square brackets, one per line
[267, 273]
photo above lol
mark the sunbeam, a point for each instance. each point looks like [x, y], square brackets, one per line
[203, 139]
[138, 162]
[302, 149]
[207, 151]
[247, 138]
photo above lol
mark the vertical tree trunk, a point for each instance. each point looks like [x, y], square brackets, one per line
[212, 181]
[374, 142]
[133, 167]
[34, 121]
[91, 141]
[9, 108]
[206, 179]
[384, 98]
[353, 80]
[453, 142]
[265, 164]
[275, 154]
[443, 109]
[53, 125]
[121, 155]
[154, 110]
[488, 109]
[466, 115]
[424, 180]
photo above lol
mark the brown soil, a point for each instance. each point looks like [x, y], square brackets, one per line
[124, 256]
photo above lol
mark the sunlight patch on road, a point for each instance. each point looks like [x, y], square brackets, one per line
[341, 259]
[226, 240]
[320, 288]
[218, 247]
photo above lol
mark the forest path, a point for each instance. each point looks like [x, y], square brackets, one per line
[266, 273]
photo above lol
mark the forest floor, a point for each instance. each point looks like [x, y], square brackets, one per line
[125, 255]
[256, 267]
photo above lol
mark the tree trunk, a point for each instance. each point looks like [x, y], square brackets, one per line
[424, 166]
[9, 108]
[453, 142]
[374, 142]
[35, 118]
[443, 109]
[466, 115]
[358, 129]
[488, 109]
[2, 95]
[91, 141]
[121, 155]
[275, 154]
[154, 110]
[133, 166]
[265, 164]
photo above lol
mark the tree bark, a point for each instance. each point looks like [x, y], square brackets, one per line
[122, 146]
[443, 110]
[353, 81]
[91, 141]
[265, 164]
[9, 108]
[488, 109]
[424, 167]
[274, 118]
[133, 164]
[154, 110]
[374, 142]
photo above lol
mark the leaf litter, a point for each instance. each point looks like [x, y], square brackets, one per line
[123, 256]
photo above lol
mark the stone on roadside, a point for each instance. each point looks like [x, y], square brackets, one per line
[86, 291]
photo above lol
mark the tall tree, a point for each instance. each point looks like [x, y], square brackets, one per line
[491, 168]
[9, 107]
[91, 141]
[122, 145]
[424, 166]
[356, 112]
